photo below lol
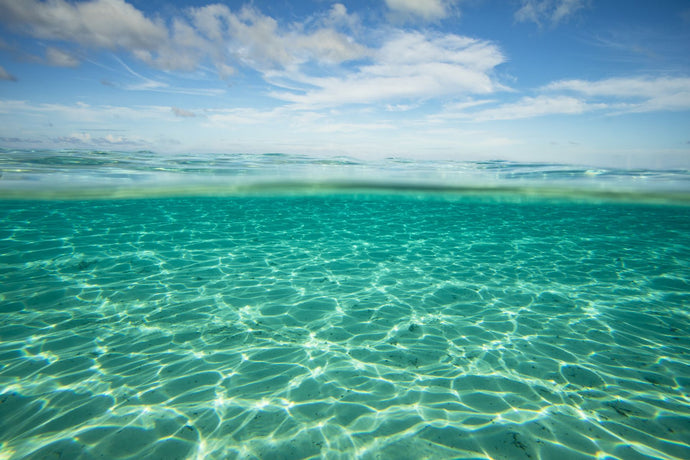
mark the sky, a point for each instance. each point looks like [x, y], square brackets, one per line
[597, 82]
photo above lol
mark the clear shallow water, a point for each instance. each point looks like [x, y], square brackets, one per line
[396, 324]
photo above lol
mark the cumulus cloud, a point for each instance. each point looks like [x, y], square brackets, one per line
[212, 32]
[258, 41]
[107, 24]
[5, 75]
[410, 65]
[423, 9]
[548, 11]
[248, 37]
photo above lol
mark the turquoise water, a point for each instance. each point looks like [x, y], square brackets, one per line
[273, 311]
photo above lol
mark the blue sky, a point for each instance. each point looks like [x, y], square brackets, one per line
[579, 81]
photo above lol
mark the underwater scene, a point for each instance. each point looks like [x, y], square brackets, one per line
[278, 307]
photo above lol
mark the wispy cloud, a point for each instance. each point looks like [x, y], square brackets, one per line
[613, 96]
[5, 75]
[96, 115]
[426, 10]
[182, 112]
[551, 12]
[638, 94]
[144, 83]
[530, 107]
[60, 58]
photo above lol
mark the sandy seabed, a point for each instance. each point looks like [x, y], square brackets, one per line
[344, 326]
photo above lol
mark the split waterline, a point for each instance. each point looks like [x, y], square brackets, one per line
[322, 321]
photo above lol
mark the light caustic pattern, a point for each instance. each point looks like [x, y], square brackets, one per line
[344, 326]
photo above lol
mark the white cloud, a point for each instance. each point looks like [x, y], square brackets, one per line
[5, 75]
[458, 110]
[243, 116]
[182, 112]
[565, 8]
[529, 107]
[250, 38]
[225, 71]
[548, 11]
[258, 41]
[409, 66]
[212, 32]
[400, 107]
[143, 83]
[640, 94]
[641, 87]
[107, 24]
[612, 96]
[338, 17]
[81, 113]
[423, 9]
[87, 140]
[59, 58]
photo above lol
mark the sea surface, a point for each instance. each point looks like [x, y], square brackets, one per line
[288, 307]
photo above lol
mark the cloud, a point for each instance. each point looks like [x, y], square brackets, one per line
[80, 112]
[614, 96]
[182, 112]
[258, 41]
[86, 139]
[409, 66]
[143, 83]
[338, 17]
[109, 24]
[212, 32]
[530, 107]
[548, 11]
[427, 10]
[639, 94]
[59, 58]
[5, 75]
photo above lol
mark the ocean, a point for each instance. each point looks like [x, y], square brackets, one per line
[290, 307]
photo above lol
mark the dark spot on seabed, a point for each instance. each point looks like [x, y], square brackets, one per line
[520, 445]
[84, 264]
